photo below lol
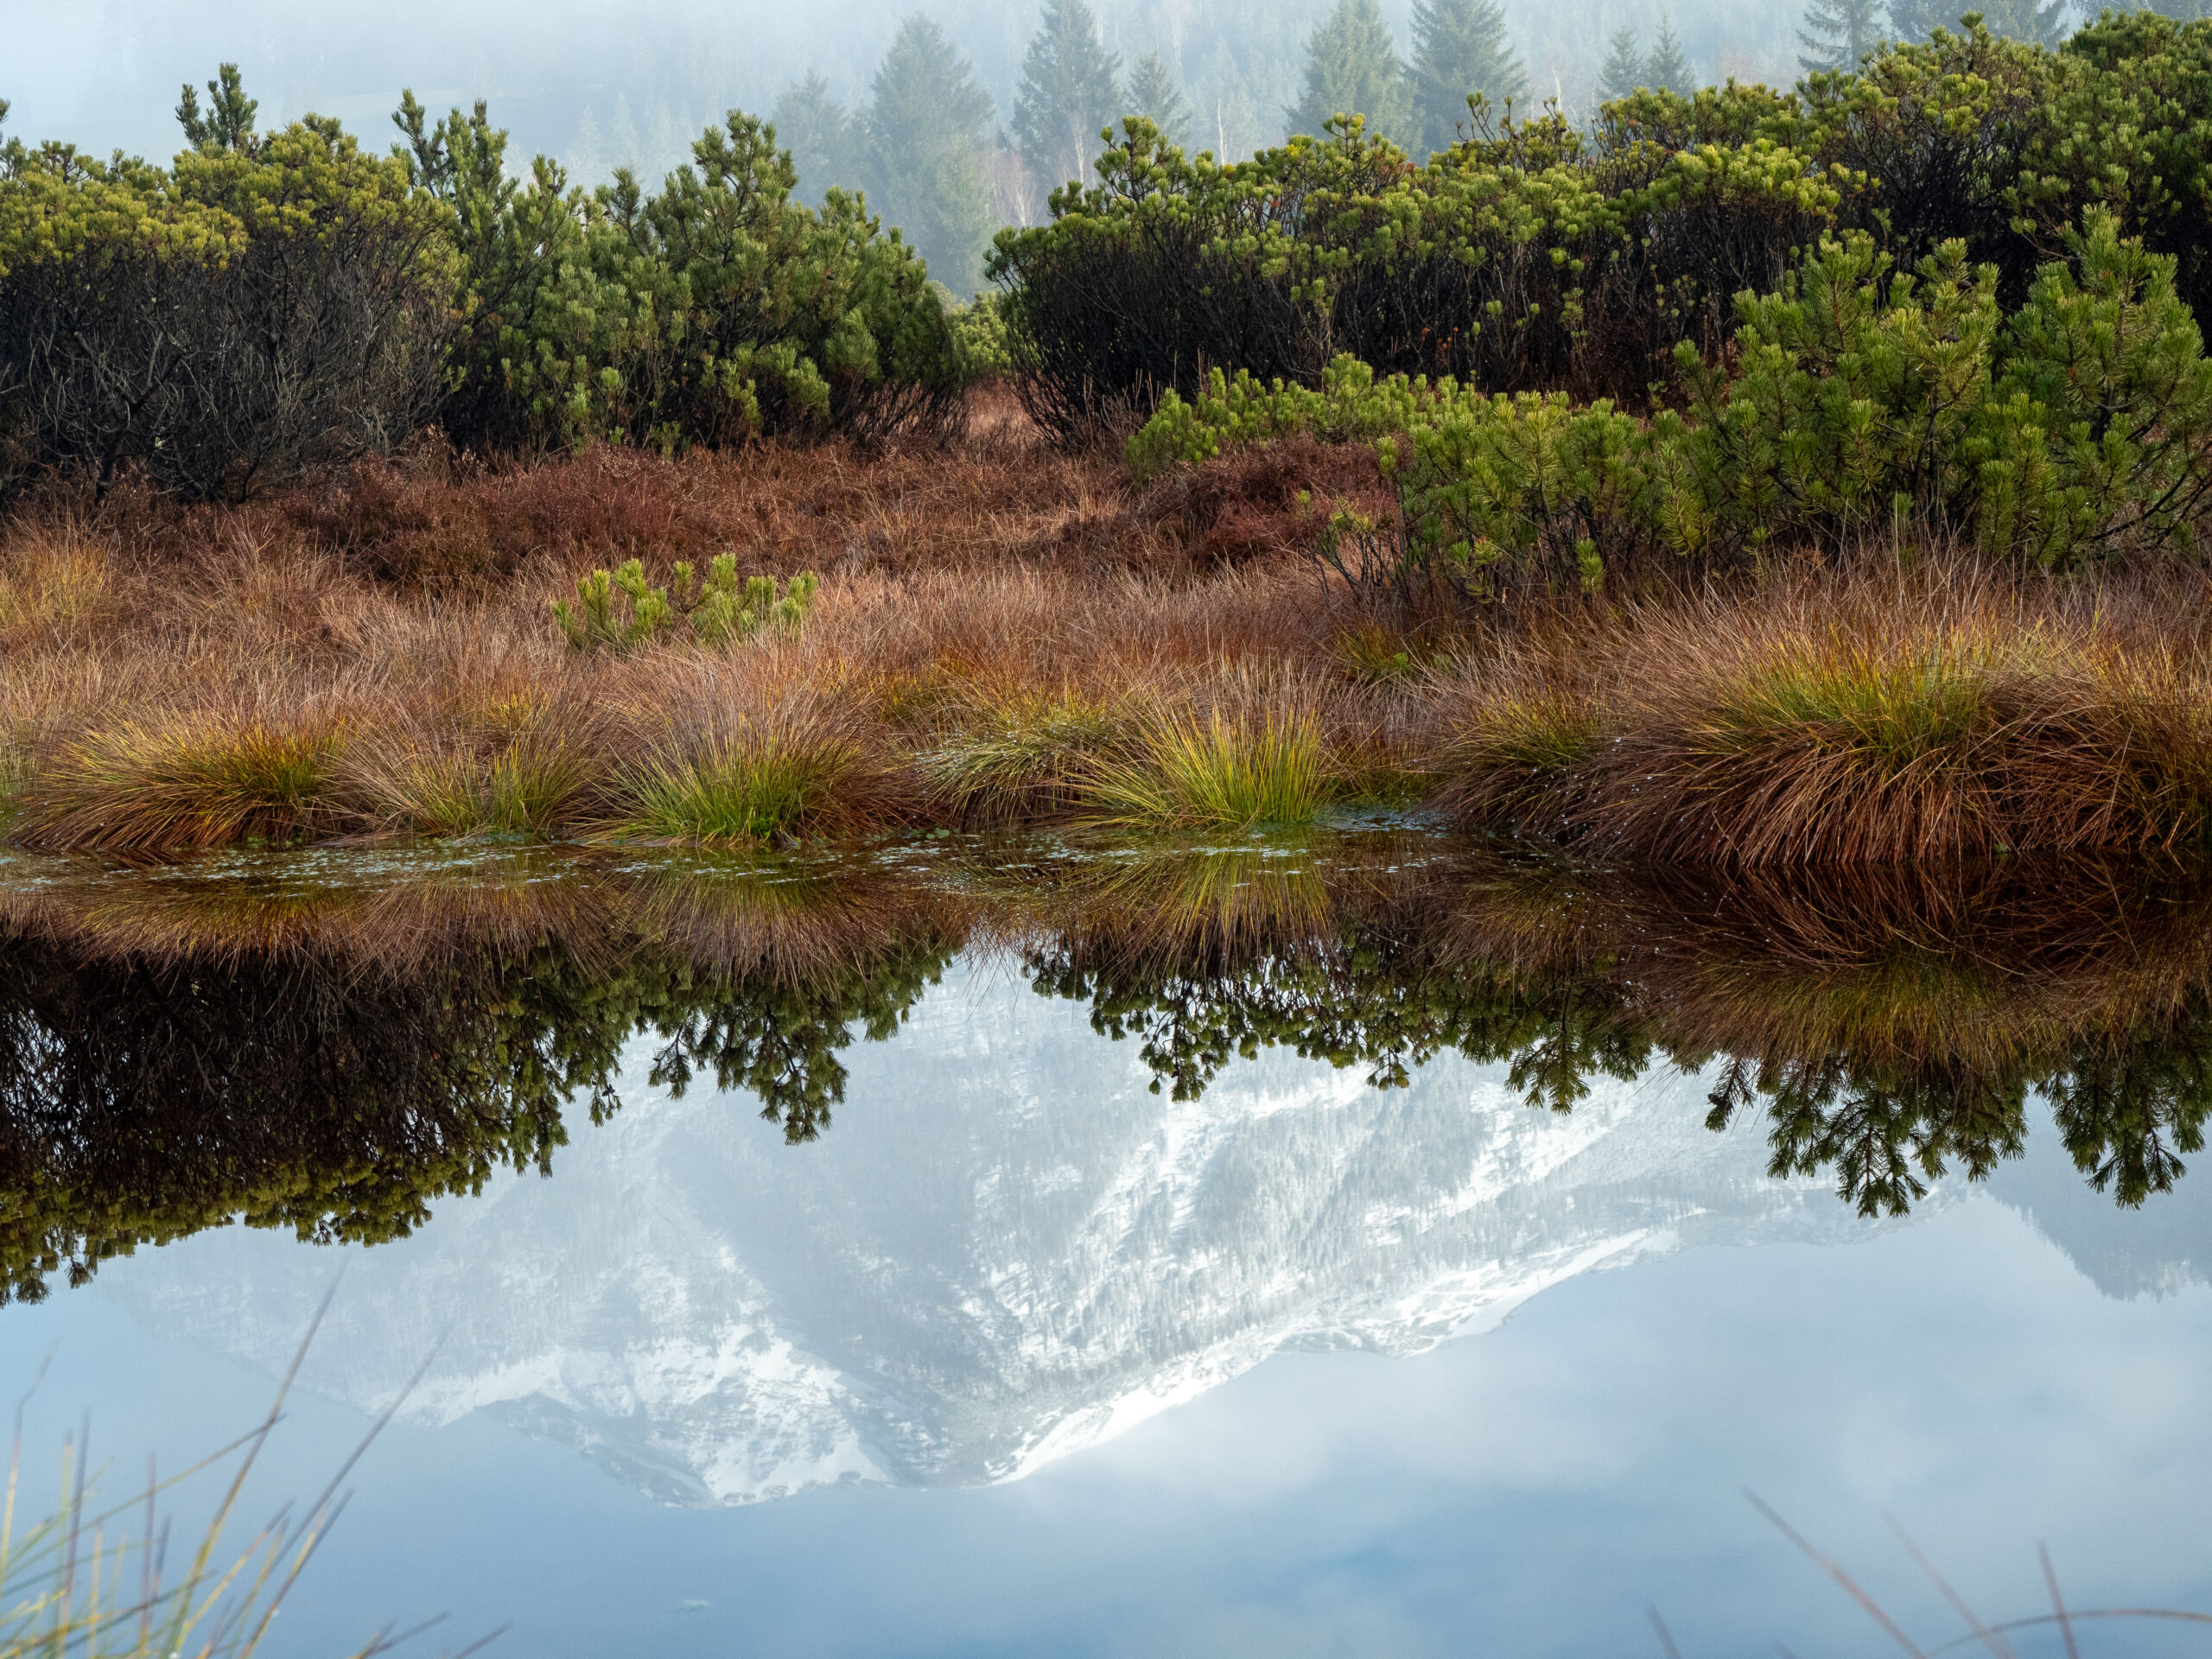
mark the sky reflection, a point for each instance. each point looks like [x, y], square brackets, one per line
[1532, 1488]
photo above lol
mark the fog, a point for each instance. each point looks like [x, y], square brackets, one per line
[604, 83]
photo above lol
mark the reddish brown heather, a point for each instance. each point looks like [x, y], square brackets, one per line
[999, 621]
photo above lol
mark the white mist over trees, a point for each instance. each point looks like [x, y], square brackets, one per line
[955, 117]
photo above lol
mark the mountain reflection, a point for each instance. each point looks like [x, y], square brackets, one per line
[329, 1042]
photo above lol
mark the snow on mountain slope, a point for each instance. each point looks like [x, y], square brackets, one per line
[1005, 1249]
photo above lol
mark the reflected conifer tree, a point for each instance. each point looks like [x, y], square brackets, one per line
[334, 1065]
[781, 1040]
[332, 1048]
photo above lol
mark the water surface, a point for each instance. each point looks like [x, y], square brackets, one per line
[1372, 1243]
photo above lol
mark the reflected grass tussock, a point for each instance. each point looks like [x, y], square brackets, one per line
[332, 1041]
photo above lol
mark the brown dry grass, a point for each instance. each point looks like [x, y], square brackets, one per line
[1002, 625]
[377, 657]
[1865, 716]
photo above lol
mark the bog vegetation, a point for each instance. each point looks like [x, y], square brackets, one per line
[1744, 475]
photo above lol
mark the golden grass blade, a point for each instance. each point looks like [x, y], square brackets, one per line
[2058, 1603]
[2079, 1615]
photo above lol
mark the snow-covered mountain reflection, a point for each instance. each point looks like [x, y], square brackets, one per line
[1008, 1247]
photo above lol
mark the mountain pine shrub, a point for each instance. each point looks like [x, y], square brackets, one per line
[718, 310]
[268, 304]
[1853, 397]
[1534, 256]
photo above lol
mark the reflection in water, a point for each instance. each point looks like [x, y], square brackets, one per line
[174, 1051]
[1890, 1028]
[327, 1042]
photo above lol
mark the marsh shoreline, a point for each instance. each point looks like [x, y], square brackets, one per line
[1010, 634]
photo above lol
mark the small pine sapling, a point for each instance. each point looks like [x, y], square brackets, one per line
[714, 610]
[593, 624]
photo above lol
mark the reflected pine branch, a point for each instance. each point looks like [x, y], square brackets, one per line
[333, 1045]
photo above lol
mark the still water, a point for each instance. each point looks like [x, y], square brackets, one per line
[1369, 1244]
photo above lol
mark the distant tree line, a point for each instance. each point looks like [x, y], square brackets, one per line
[272, 302]
[1541, 256]
[925, 150]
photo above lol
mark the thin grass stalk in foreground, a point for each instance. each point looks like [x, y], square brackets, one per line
[1990, 1635]
[62, 1581]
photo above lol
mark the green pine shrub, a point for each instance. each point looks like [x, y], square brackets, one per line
[267, 305]
[1535, 256]
[621, 611]
[1855, 397]
[718, 310]
[1523, 257]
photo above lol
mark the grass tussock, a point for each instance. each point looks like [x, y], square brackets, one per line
[1519, 755]
[525, 787]
[735, 789]
[1833, 748]
[797, 764]
[512, 762]
[1218, 772]
[1850, 721]
[1026, 755]
[188, 781]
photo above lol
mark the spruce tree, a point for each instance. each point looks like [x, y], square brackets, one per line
[1459, 48]
[927, 122]
[1624, 67]
[2024, 19]
[820, 135]
[1154, 95]
[1070, 88]
[2018, 20]
[1667, 69]
[623, 147]
[1916, 20]
[586, 158]
[1839, 34]
[1352, 68]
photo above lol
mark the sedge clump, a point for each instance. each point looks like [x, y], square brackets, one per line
[1220, 773]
